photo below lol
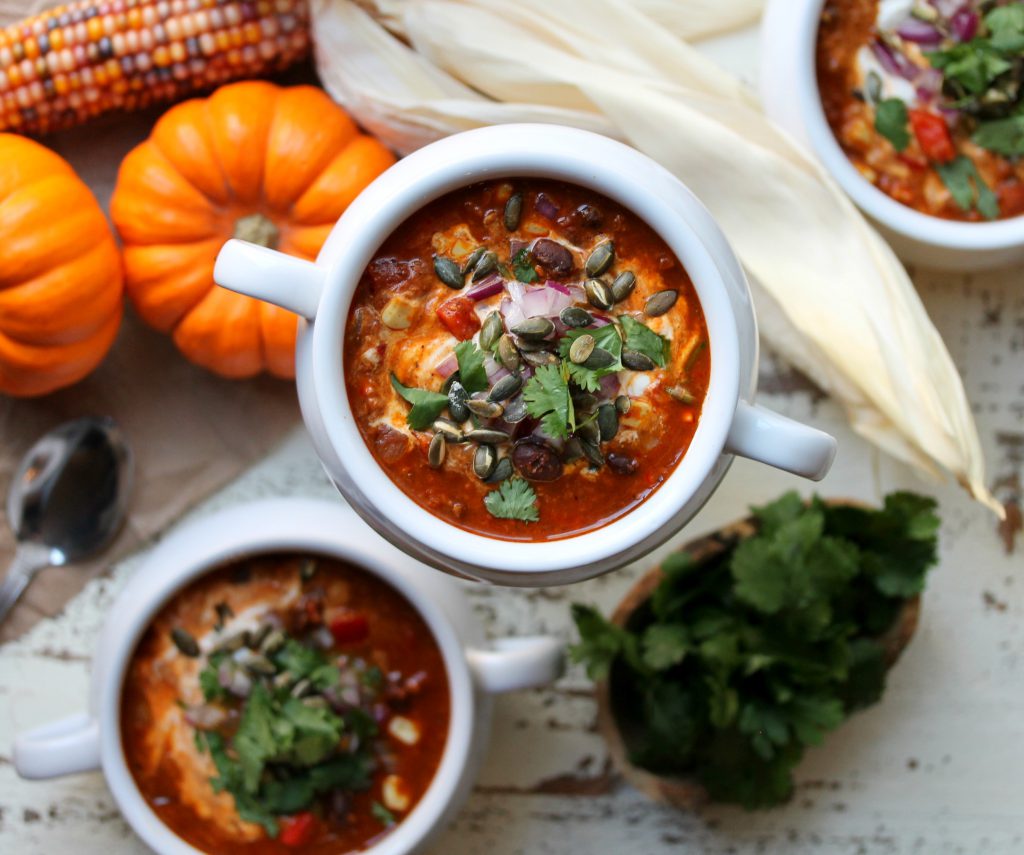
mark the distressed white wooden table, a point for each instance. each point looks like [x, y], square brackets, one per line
[936, 767]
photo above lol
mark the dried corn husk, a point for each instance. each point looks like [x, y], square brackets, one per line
[831, 296]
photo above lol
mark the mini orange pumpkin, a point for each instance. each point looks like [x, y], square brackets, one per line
[272, 165]
[60, 273]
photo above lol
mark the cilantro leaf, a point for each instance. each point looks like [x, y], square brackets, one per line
[891, 122]
[971, 67]
[255, 742]
[601, 641]
[547, 398]
[607, 338]
[1006, 28]
[513, 500]
[642, 338]
[969, 189]
[382, 814]
[1003, 136]
[522, 267]
[426, 406]
[471, 367]
[665, 645]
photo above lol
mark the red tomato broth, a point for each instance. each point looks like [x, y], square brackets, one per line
[174, 781]
[909, 176]
[403, 266]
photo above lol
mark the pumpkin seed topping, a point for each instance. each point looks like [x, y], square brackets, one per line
[484, 461]
[515, 410]
[601, 258]
[502, 471]
[607, 421]
[448, 272]
[622, 404]
[474, 258]
[508, 354]
[491, 331]
[636, 361]
[623, 285]
[575, 317]
[581, 348]
[599, 358]
[681, 394]
[485, 409]
[534, 329]
[513, 211]
[598, 294]
[185, 642]
[541, 358]
[505, 388]
[486, 436]
[457, 398]
[658, 304]
[449, 430]
[436, 451]
[487, 264]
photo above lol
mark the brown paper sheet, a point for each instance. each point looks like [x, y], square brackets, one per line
[191, 431]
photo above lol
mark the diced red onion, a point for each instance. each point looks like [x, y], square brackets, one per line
[206, 717]
[610, 385]
[494, 371]
[951, 116]
[600, 320]
[919, 32]
[947, 8]
[893, 61]
[929, 84]
[545, 207]
[448, 366]
[486, 287]
[558, 286]
[533, 302]
[964, 24]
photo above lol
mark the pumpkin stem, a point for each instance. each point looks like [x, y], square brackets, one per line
[256, 228]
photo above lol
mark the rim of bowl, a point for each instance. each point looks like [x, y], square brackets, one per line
[513, 151]
[420, 823]
[902, 219]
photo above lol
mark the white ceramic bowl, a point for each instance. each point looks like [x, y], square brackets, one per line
[475, 669]
[322, 293]
[789, 92]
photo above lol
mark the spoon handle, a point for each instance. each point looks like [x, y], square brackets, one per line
[24, 566]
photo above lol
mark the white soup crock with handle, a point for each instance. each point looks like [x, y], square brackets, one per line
[476, 669]
[322, 292]
[790, 94]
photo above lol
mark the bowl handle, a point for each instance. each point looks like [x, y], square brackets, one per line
[766, 436]
[517, 663]
[284, 280]
[60, 748]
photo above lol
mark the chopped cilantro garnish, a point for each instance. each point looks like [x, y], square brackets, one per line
[547, 398]
[382, 814]
[606, 337]
[1006, 28]
[522, 266]
[426, 405]
[471, 367]
[513, 500]
[891, 122]
[642, 338]
[740, 661]
[968, 188]
[1003, 136]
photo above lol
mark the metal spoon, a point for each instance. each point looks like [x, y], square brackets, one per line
[67, 500]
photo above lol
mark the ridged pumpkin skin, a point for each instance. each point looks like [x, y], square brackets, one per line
[290, 156]
[60, 273]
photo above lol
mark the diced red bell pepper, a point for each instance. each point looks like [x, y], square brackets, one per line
[349, 627]
[459, 315]
[1011, 198]
[932, 133]
[297, 830]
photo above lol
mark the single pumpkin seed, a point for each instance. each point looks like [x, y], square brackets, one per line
[474, 257]
[317, 702]
[515, 410]
[599, 358]
[449, 430]
[622, 404]
[491, 331]
[487, 264]
[436, 450]
[448, 272]
[658, 304]
[534, 329]
[508, 354]
[540, 359]
[623, 285]
[484, 461]
[598, 294]
[185, 642]
[255, 639]
[513, 211]
[589, 430]
[601, 258]
[258, 664]
[505, 388]
[307, 569]
[527, 346]
[607, 421]
[637, 361]
[502, 470]
[485, 409]
[581, 348]
[446, 387]
[486, 436]
[457, 397]
[584, 401]
[273, 642]
[681, 394]
[572, 450]
[593, 453]
[283, 680]
[302, 688]
[233, 642]
[575, 317]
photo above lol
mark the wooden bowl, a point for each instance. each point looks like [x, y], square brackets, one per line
[681, 791]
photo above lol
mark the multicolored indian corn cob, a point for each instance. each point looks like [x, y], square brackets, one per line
[78, 61]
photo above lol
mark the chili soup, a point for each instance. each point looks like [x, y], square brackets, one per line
[926, 98]
[526, 359]
[285, 703]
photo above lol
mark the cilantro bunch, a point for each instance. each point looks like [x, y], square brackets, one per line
[737, 663]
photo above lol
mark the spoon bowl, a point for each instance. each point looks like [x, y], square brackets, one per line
[67, 500]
